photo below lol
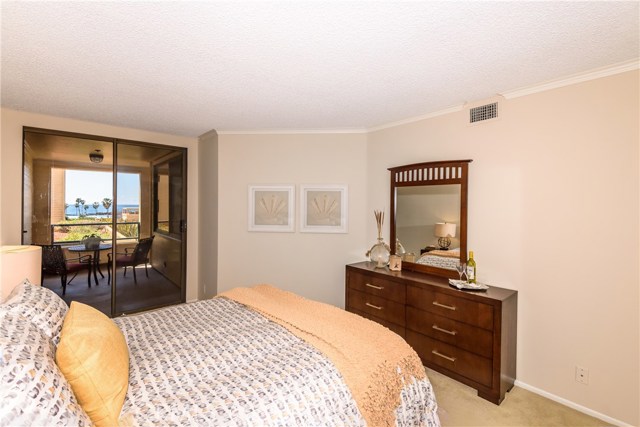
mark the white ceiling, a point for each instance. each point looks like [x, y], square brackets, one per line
[188, 67]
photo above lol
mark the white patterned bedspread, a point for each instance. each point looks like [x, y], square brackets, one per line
[217, 363]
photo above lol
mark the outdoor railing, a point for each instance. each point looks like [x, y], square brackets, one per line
[73, 233]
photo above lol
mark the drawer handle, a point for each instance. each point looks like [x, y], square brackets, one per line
[374, 287]
[449, 358]
[446, 331]
[373, 306]
[448, 307]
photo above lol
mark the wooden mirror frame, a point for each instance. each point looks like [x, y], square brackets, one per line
[432, 173]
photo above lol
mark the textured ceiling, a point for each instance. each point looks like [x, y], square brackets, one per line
[188, 67]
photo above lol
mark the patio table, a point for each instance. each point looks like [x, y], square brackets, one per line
[95, 261]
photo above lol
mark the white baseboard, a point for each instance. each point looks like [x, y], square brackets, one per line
[571, 404]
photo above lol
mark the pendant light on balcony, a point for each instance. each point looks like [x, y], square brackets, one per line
[96, 156]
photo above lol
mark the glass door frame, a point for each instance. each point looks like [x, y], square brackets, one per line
[114, 170]
[183, 248]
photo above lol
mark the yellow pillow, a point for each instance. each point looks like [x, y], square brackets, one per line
[94, 357]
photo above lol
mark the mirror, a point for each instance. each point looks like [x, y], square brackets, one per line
[418, 210]
[429, 216]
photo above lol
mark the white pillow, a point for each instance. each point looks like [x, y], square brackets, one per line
[34, 392]
[40, 305]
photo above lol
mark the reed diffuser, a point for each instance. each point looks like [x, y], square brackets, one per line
[379, 221]
[380, 252]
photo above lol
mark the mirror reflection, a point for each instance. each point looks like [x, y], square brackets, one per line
[162, 188]
[428, 225]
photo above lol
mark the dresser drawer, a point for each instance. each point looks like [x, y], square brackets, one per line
[392, 326]
[463, 310]
[376, 306]
[461, 335]
[469, 336]
[467, 364]
[377, 286]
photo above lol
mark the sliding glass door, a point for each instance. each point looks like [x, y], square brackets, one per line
[149, 260]
[69, 200]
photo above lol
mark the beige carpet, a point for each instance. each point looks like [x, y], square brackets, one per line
[460, 405]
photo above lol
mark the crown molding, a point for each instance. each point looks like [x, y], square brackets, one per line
[417, 118]
[596, 73]
[290, 131]
[210, 134]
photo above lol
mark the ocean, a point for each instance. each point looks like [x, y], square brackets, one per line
[72, 212]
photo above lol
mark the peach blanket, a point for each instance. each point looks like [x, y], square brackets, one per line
[375, 363]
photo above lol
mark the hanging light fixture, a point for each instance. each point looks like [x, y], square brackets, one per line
[96, 156]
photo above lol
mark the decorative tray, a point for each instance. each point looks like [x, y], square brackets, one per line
[466, 286]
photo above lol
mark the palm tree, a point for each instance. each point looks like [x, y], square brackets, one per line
[86, 207]
[77, 205]
[95, 207]
[106, 202]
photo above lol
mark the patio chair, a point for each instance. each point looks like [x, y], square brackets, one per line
[139, 255]
[54, 262]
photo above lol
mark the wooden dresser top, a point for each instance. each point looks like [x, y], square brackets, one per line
[493, 293]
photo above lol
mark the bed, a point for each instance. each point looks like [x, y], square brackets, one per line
[252, 356]
[441, 259]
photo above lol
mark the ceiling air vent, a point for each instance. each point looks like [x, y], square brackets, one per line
[483, 112]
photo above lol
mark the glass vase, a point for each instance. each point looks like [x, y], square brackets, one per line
[379, 253]
[400, 251]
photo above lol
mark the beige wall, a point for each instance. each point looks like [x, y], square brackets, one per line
[28, 209]
[58, 179]
[11, 172]
[163, 198]
[549, 180]
[41, 220]
[309, 264]
[208, 248]
[553, 213]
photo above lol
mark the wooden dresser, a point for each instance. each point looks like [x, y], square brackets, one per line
[468, 336]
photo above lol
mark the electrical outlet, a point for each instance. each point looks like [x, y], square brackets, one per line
[582, 375]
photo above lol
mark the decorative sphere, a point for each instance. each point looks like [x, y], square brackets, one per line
[379, 254]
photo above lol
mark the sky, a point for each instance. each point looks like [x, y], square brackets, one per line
[94, 186]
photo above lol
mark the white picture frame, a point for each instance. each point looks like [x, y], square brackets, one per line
[323, 209]
[272, 208]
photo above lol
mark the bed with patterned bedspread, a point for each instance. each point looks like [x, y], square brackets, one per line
[215, 362]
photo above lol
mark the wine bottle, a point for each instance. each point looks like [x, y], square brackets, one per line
[471, 268]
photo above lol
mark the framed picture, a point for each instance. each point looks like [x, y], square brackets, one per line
[323, 208]
[271, 208]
